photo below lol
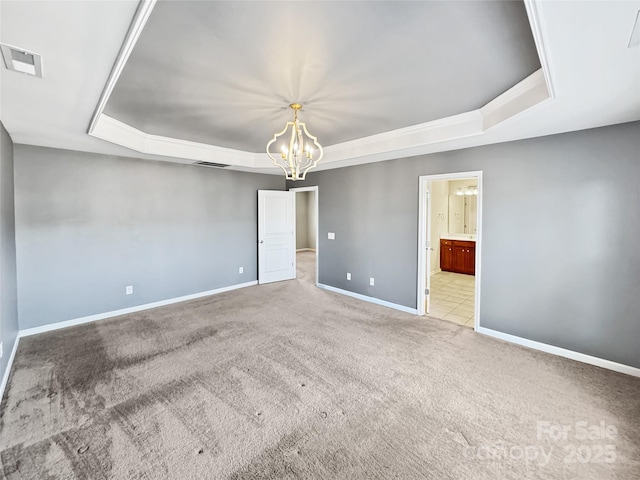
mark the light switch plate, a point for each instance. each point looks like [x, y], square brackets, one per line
[348, 276]
[331, 236]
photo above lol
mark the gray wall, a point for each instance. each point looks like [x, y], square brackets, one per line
[8, 293]
[305, 220]
[88, 225]
[302, 227]
[311, 220]
[561, 223]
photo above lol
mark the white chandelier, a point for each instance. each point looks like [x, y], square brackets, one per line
[297, 154]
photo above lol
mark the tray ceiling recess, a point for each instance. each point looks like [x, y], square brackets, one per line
[212, 81]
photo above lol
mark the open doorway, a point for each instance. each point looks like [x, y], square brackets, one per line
[449, 257]
[306, 232]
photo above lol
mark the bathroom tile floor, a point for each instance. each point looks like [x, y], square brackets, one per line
[453, 297]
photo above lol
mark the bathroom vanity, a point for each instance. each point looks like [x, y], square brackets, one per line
[458, 254]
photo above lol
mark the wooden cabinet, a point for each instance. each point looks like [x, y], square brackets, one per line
[459, 259]
[446, 255]
[458, 256]
[470, 260]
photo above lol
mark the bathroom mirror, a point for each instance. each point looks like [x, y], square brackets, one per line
[463, 214]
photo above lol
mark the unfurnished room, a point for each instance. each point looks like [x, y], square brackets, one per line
[320, 240]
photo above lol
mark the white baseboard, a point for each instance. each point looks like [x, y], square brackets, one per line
[305, 250]
[562, 352]
[5, 377]
[124, 311]
[377, 301]
[437, 270]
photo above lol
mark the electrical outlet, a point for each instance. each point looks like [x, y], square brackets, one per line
[331, 236]
[348, 276]
[1, 350]
[371, 281]
[241, 270]
[129, 290]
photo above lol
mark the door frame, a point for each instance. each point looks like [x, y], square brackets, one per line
[317, 203]
[423, 238]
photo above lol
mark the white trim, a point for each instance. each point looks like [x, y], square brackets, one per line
[562, 352]
[115, 131]
[374, 148]
[305, 250]
[115, 313]
[422, 247]
[5, 377]
[443, 129]
[314, 188]
[478, 270]
[453, 176]
[519, 98]
[175, 147]
[145, 7]
[535, 21]
[365, 298]
[422, 264]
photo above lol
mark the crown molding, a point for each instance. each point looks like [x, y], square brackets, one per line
[383, 146]
[379, 147]
[413, 140]
[120, 133]
[536, 22]
[529, 92]
[145, 7]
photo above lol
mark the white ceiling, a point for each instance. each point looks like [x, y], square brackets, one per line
[595, 77]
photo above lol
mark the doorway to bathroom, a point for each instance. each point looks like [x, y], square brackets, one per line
[450, 217]
[306, 232]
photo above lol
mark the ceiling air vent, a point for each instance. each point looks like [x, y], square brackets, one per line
[20, 60]
[211, 164]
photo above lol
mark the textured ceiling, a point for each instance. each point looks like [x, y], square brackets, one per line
[223, 73]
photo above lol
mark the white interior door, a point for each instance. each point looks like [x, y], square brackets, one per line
[427, 209]
[276, 236]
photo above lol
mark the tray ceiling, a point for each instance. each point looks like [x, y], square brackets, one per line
[589, 78]
[223, 73]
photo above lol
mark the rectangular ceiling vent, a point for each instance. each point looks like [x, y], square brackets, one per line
[20, 60]
[211, 164]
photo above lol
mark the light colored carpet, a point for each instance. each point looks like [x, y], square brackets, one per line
[289, 381]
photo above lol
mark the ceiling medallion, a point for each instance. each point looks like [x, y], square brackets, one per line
[297, 154]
